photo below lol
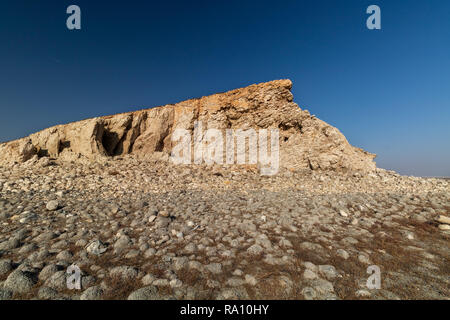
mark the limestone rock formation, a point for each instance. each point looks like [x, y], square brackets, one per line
[305, 141]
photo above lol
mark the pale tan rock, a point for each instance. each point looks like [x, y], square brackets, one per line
[305, 141]
[443, 219]
[17, 151]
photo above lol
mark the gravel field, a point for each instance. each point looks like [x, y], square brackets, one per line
[152, 230]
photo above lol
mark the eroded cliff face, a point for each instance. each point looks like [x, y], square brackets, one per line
[304, 141]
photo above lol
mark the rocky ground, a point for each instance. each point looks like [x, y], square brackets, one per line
[151, 230]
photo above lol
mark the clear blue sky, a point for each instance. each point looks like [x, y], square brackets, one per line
[387, 90]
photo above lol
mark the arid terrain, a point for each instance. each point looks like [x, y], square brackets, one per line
[141, 227]
[194, 233]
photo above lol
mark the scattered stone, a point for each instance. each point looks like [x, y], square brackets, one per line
[255, 250]
[28, 248]
[146, 293]
[238, 293]
[238, 272]
[28, 217]
[148, 279]
[251, 280]
[65, 255]
[215, 268]
[149, 253]
[310, 266]
[162, 222]
[57, 281]
[96, 248]
[10, 244]
[309, 293]
[180, 263]
[123, 242]
[46, 293]
[124, 273]
[190, 248]
[92, 293]
[343, 213]
[322, 287]
[328, 271]
[309, 274]
[161, 283]
[363, 259]
[48, 271]
[82, 243]
[132, 254]
[5, 294]
[175, 283]
[343, 254]
[212, 284]
[443, 219]
[362, 294]
[52, 205]
[235, 282]
[5, 267]
[311, 246]
[20, 282]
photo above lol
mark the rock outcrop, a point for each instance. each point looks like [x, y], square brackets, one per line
[305, 141]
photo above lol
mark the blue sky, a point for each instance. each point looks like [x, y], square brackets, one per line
[387, 90]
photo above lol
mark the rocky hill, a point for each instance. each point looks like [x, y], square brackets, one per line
[304, 140]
